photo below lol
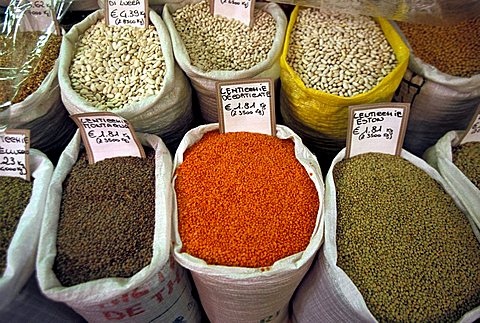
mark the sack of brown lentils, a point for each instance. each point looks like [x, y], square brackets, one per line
[22, 206]
[442, 82]
[210, 48]
[129, 71]
[331, 61]
[398, 247]
[104, 249]
[247, 221]
[460, 167]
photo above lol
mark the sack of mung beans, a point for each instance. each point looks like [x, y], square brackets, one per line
[22, 206]
[398, 247]
[247, 220]
[210, 48]
[129, 71]
[460, 167]
[331, 61]
[442, 82]
[104, 249]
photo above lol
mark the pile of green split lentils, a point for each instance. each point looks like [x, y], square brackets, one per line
[467, 158]
[403, 242]
[107, 219]
[14, 197]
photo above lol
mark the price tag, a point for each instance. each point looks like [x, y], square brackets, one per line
[241, 10]
[39, 16]
[107, 135]
[246, 105]
[14, 153]
[377, 128]
[472, 133]
[126, 13]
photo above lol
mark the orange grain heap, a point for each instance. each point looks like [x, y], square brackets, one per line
[244, 200]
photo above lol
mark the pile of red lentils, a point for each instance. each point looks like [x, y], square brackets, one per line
[244, 200]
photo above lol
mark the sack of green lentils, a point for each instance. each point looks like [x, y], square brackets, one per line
[442, 82]
[459, 166]
[331, 61]
[22, 207]
[398, 247]
[104, 249]
[129, 71]
[247, 219]
[210, 48]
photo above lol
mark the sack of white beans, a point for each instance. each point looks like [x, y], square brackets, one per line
[129, 71]
[22, 248]
[331, 61]
[114, 262]
[211, 48]
[442, 82]
[444, 156]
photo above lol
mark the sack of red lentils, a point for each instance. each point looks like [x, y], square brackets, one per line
[129, 71]
[331, 61]
[442, 82]
[212, 49]
[104, 249]
[458, 165]
[28, 79]
[399, 246]
[247, 219]
[22, 207]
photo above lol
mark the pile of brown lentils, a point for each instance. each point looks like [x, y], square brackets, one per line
[453, 49]
[404, 243]
[14, 197]
[467, 158]
[107, 219]
[244, 200]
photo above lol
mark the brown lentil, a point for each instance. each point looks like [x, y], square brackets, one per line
[467, 158]
[219, 43]
[244, 200]
[107, 219]
[14, 197]
[404, 243]
[453, 49]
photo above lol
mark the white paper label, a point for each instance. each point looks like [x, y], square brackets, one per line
[107, 135]
[241, 10]
[377, 128]
[473, 131]
[126, 13]
[246, 106]
[14, 152]
[38, 16]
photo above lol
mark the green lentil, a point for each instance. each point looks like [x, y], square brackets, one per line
[14, 197]
[467, 158]
[404, 243]
[107, 219]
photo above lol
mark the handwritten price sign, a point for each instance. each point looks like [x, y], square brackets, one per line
[377, 128]
[473, 130]
[126, 13]
[241, 10]
[106, 135]
[14, 153]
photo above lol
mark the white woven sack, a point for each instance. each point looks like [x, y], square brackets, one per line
[159, 292]
[168, 114]
[250, 294]
[439, 102]
[327, 294]
[204, 82]
[440, 158]
[22, 250]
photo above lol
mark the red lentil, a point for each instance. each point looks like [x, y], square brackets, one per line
[244, 200]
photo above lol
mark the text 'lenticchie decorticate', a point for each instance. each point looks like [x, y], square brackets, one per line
[219, 43]
[338, 53]
[244, 200]
[403, 242]
[114, 66]
[107, 219]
